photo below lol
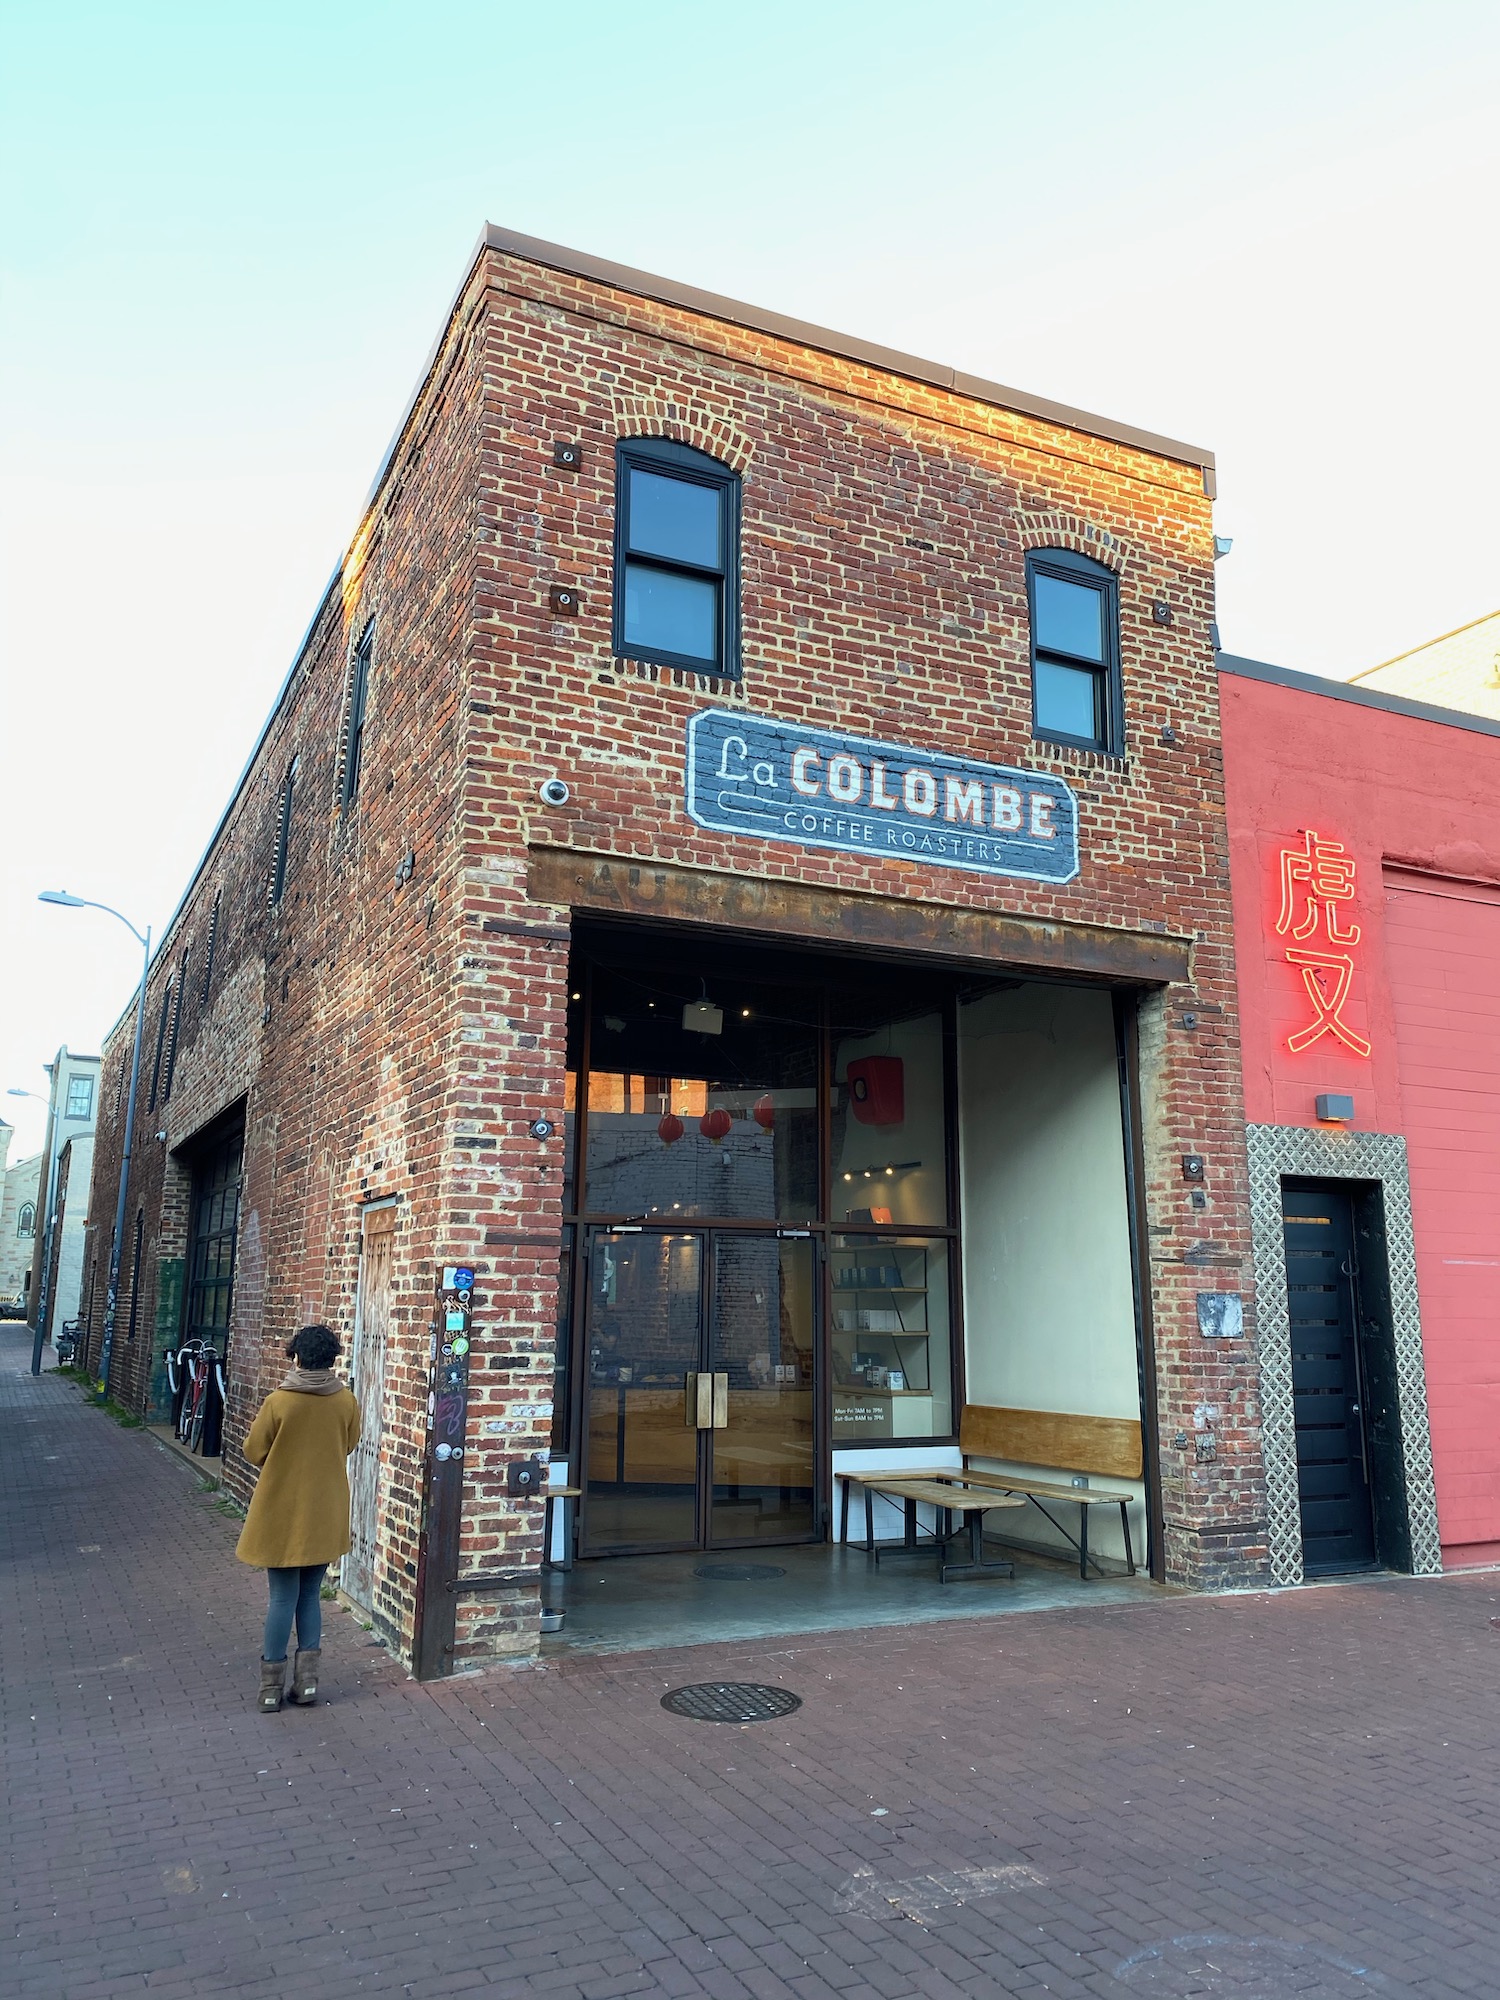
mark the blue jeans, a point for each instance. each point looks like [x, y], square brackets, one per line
[294, 1594]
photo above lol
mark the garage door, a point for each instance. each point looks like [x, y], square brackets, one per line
[1443, 953]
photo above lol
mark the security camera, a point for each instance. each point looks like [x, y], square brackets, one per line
[554, 792]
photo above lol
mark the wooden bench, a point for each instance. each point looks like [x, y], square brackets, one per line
[948, 1495]
[1107, 1445]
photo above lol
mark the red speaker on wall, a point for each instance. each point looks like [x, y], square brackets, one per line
[877, 1090]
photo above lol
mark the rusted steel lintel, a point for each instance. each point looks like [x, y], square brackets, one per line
[655, 891]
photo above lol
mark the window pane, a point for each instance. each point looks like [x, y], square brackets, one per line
[1069, 617]
[889, 1348]
[675, 518]
[671, 614]
[1067, 701]
[683, 1123]
[889, 1122]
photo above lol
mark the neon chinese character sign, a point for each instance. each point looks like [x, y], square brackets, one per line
[1316, 879]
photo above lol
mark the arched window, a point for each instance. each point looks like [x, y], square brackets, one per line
[1075, 650]
[26, 1224]
[677, 557]
[354, 718]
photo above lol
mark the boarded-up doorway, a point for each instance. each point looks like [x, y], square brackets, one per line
[367, 1374]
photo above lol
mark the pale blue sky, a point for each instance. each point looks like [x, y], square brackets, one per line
[229, 235]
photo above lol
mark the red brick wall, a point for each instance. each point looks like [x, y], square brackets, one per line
[885, 526]
[330, 1015]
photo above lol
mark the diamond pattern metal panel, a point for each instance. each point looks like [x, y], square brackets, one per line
[1276, 1150]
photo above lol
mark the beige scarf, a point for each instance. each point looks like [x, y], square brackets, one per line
[311, 1381]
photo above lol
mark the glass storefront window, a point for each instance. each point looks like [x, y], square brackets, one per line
[889, 1117]
[701, 1104]
[890, 1346]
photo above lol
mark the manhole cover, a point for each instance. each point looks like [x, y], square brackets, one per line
[738, 1572]
[731, 1701]
[1226, 1968]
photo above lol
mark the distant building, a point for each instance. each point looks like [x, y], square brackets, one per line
[1461, 670]
[63, 1278]
[56, 1256]
[20, 1182]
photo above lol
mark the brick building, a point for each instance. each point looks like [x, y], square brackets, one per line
[744, 832]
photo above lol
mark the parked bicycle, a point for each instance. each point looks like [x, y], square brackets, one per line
[66, 1343]
[196, 1374]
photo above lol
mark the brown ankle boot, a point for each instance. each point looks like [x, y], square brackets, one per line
[272, 1682]
[305, 1676]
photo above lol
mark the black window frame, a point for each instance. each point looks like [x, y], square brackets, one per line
[208, 950]
[133, 1324]
[163, 1021]
[354, 724]
[175, 1027]
[1067, 566]
[669, 459]
[215, 1204]
[277, 884]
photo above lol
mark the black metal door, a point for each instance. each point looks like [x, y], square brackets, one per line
[1332, 1458]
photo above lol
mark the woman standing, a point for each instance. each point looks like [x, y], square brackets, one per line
[298, 1521]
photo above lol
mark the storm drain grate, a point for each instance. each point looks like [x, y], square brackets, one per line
[731, 1701]
[738, 1572]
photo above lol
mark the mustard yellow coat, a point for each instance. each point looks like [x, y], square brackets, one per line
[300, 1512]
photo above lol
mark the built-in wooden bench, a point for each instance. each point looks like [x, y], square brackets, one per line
[1110, 1446]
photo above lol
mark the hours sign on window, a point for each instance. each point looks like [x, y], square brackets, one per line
[752, 775]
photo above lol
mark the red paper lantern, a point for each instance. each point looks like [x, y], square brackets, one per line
[764, 1112]
[670, 1129]
[715, 1124]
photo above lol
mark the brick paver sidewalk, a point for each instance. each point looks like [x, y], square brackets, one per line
[1249, 1797]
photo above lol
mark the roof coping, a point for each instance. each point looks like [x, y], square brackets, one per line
[669, 291]
[1393, 704]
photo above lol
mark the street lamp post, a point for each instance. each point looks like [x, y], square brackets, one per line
[111, 1297]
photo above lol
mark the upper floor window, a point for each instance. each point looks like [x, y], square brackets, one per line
[277, 882]
[354, 728]
[80, 1097]
[677, 532]
[26, 1222]
[162, 1021]
[1075, 650]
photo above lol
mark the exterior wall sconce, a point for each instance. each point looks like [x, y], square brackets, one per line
[1333, 1107]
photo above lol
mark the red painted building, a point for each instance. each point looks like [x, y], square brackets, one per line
[1365, 861]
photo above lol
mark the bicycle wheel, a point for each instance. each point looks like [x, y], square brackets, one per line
[189, 1398]
[200, 1410]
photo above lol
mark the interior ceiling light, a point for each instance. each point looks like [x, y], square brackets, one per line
[702, 1017]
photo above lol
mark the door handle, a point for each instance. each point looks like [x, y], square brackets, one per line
[698, 1400]
[705, 1400]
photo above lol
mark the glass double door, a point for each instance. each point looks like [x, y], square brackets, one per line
[700, 1406]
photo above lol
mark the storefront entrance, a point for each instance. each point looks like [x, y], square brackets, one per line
[814, 1205]
[701, 1390]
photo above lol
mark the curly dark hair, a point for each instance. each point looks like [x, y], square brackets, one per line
[314, 1347]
